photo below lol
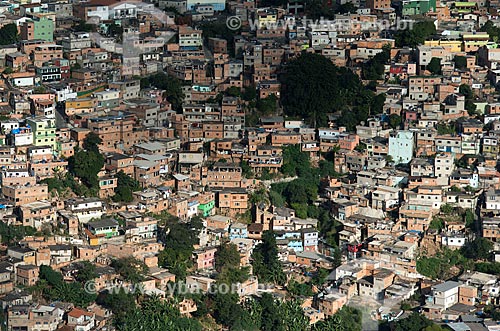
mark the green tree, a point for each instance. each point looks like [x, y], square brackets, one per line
[126, 185]
[313, 86]
[416, 35]
[86, 165]
[394, 121]
[460, 62]
[374, 68]
[434, 66]
[8, 34]
[437, 224]
[479, 248]
[246, 170]
[84, 27]
[492, 30]
[171, 85]
[446, 209]
[331, 323]
[91, 142]
[277, 199]
[39, 89]
[469, 219]
[55, 289]
[131, 269]
[439, 266]
[299, 289]
[378, 102]
[270, 318]
[444, 129]
[179, 246]
[265, 262]
[52, 277]
[488, 267]
[115, 31]
[86, 272]
[414, 322]
[293, 316]
[320, 276]
[227, 256]
[249, 94]
[226, 309]
[233, 91]
[11, 234]
[155, 315]
[346, 8]
[295, 162]
[267, 106]
[346, 319]
[467, 92]
[120, 302]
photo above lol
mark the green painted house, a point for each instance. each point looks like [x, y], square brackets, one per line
[418, 7]
[105, 227]
[206, 208]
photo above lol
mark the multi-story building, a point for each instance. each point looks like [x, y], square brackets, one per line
[37, 28]
[44, 131]
[36, 214]
[401, 146]
[85, 209]
[222, 175]
[117, 132]
[232, 201]
[189, 38]
[443, 168]
[22, 195]
[25, 317]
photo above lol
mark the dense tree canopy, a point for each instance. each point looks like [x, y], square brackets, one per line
[179, 246]
[467, 92]
[313, 86]
[92, 142]
[156, 315]
[86, 164]
[265, 262]
[416, 35]
[86, 272]
[120, 302]
[13, 233]
[492, 30]
[394, 121]
[440, 265]
[130, 269]
[295, 162]
[346, 319]
[171, 85]
[479, 248]
[53, 288]
[264, 314]
[227, 256]
[375, 67]
[8, 34]
[227, 263]
[125, 187]
[434, 66]
[460, 62]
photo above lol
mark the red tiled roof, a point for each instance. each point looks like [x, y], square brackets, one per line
[77, 312]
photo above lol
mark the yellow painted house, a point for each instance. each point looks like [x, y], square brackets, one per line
[453, 46]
